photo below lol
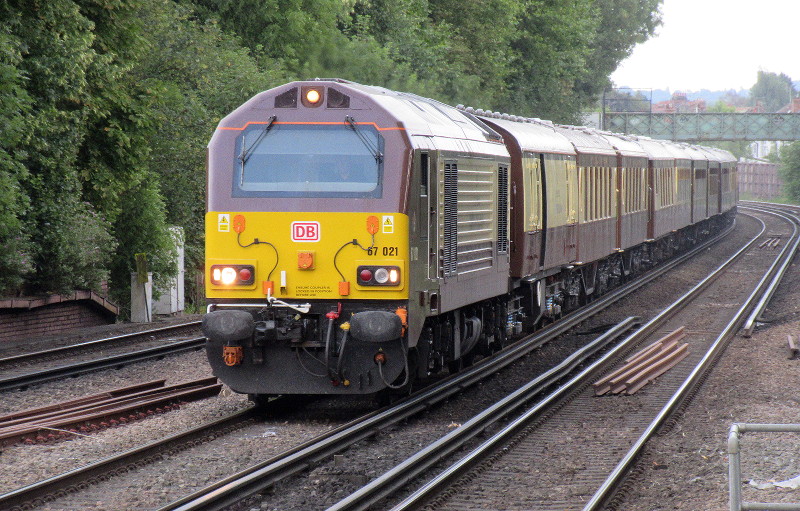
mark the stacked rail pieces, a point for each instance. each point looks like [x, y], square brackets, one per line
[645, 366]
[98, 411]
[771, 242]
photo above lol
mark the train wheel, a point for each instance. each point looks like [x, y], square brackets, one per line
[455, 366]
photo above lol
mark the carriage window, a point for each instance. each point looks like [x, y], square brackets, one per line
[307, 160]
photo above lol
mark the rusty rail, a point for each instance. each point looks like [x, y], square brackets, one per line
[100, 411]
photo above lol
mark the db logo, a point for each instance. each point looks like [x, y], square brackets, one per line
[305, 231]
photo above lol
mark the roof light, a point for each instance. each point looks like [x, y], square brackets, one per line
[312, 96]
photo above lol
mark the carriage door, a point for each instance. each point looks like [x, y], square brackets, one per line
[573, 184]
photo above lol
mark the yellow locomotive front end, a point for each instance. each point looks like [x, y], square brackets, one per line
[307, 302]
[307, 243]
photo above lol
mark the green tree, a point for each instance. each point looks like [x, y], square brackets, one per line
[772, 90]
[15, 103]
[199, 74]
[622, 25]
[550, 60]
[789, 170]
[86, 130]
[56, 54]
[626, 100]
[289, 32]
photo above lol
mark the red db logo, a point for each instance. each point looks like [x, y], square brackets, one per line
[305, 231]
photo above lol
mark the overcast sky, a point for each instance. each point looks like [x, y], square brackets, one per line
[716, 45]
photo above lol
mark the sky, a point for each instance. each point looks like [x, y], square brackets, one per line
[716, 45]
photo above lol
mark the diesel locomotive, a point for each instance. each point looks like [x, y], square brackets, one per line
[358, 237]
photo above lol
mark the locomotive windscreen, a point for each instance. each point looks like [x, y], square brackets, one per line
[308, 160]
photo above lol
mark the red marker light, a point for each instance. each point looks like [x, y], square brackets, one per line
[365, 275]
[245, 274]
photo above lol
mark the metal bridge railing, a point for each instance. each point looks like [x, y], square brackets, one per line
[705, 126]
[734, 466]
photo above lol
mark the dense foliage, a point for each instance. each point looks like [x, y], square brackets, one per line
[772, 91]
[789, 170]
[106, 105]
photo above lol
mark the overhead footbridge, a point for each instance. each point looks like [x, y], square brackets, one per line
[697, 127]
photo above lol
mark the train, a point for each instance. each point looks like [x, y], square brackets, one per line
[359, 238]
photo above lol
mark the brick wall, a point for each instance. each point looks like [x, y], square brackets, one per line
[22, 319]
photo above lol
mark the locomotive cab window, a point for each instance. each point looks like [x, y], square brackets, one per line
[302, 160]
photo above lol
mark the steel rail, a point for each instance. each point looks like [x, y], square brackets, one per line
[786, 252]
[74, 347]
[22, 498]
[254, 479]
[45, 375]
[413, 466]
[607, 489]
[397, 477]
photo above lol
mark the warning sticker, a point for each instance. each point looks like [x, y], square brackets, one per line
[224, 222]
[388, 224]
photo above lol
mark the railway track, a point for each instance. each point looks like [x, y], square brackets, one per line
[21, 371]
[95, 344]
[234, 489]
[107, 409]
[256, 479]
[506, 470]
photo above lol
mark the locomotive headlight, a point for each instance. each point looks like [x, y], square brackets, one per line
[394, 276]
[312, 96]
[228, 276]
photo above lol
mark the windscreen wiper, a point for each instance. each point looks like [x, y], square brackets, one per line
[374, 150]
[246, 153]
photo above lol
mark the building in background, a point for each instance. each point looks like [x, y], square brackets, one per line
[679, 104]
[759, 179]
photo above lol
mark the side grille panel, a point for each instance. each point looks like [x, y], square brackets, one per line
[449, 246]
[502, 209]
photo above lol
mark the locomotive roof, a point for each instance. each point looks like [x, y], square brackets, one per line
[534, 136]
[586, 140]
[415, 114]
